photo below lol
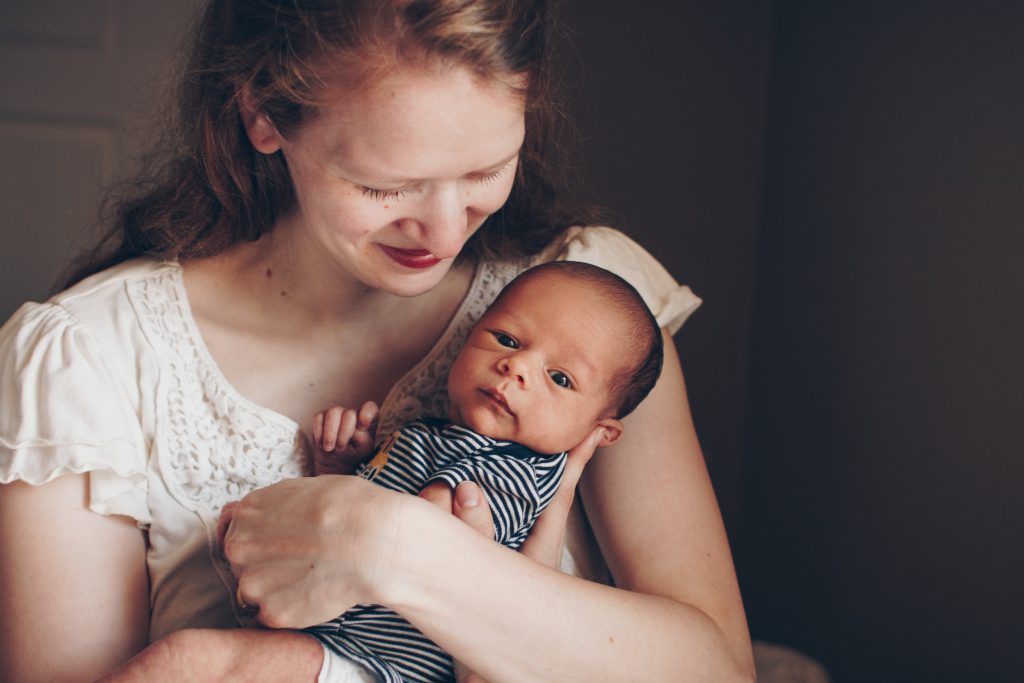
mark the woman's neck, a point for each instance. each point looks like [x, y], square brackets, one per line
[291, 276]
[328, 338]
[288, 280]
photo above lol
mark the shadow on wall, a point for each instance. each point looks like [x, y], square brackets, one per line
[843, 183]
[881, 503]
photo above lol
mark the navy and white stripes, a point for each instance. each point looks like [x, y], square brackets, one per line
[518, 484]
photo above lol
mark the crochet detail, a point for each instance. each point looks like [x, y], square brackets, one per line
[217, 446]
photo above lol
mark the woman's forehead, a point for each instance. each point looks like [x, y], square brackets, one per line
[421, 124]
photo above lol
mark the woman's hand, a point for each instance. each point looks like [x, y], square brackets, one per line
[548, 534]
[305, 550]
[547, 537]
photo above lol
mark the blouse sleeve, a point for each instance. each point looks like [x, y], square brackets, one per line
[64, 410]
[610, 249]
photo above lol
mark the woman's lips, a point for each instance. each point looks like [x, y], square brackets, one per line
[411, 258]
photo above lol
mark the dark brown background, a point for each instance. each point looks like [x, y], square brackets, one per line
[843, 183]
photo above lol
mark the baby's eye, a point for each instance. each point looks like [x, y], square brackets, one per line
[506, 340]
[561, 379]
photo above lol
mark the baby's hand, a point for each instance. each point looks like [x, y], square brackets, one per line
[343, 438]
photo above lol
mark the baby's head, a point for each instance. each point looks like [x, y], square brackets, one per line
[565, 349]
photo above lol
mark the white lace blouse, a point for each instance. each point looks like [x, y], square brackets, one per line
[112, 378]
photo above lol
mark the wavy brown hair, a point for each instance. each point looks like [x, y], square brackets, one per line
[206, 188]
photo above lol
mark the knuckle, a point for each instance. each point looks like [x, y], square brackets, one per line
[233, 549]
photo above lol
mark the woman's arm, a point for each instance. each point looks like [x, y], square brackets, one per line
[505, 616]
[74, 591]
[654, 512]
[651, 505]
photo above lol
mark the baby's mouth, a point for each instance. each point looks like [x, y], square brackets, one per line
[498, 398]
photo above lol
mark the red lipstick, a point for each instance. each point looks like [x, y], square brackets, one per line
[411, 258]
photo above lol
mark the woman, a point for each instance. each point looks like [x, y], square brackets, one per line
[353, 183]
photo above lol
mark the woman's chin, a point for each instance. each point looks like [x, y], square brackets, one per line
[406, 282]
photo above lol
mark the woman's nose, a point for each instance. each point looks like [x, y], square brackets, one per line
[440, 226]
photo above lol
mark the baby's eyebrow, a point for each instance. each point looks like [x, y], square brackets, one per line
[577, 359]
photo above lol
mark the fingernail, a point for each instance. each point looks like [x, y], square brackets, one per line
[468, 497]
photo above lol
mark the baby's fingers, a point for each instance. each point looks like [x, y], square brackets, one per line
[367, 418]
[363, 436]
[346, 429]
[318, 428]
[338, 425]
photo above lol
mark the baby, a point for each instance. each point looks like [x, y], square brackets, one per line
[567, 348]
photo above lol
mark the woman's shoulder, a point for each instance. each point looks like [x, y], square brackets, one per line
[102, 303]
[71, 393]
[94, 322]
[110, 285]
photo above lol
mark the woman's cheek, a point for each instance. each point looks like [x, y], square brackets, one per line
[493, 197]
[361, 215]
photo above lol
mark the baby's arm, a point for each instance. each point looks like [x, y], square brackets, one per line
[343, 438]
[244, 654]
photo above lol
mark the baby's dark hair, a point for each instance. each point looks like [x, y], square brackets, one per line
[631, 384]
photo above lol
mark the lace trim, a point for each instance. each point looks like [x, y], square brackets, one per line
[213, 446]
[424, 389]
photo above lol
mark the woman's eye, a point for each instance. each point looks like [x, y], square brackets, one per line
[561, 379]
[383, 194]
[493, 176]
[506, 340]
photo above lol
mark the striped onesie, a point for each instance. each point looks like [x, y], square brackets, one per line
[518, 484]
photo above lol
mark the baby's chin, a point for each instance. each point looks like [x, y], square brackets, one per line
[489, 423]
[484, 422]
[544, 446]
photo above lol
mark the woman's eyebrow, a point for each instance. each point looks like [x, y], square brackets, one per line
[367, 175]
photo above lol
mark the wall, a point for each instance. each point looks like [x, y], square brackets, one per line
[882, 513]
[843, 184]
[671, 109]
[77, 81]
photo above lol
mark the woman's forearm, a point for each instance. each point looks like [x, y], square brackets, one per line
[213, 656]
[511, 619]
[652, 507]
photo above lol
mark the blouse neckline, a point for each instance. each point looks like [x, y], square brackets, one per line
[199, 343]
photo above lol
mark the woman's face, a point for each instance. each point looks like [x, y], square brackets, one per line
[390, 183]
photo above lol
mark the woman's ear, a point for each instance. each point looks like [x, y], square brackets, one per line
[611, 430]
[258, 126]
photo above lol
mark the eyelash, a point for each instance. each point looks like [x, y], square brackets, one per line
[380, 195]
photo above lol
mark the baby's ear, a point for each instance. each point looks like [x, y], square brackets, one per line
[611, 430]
